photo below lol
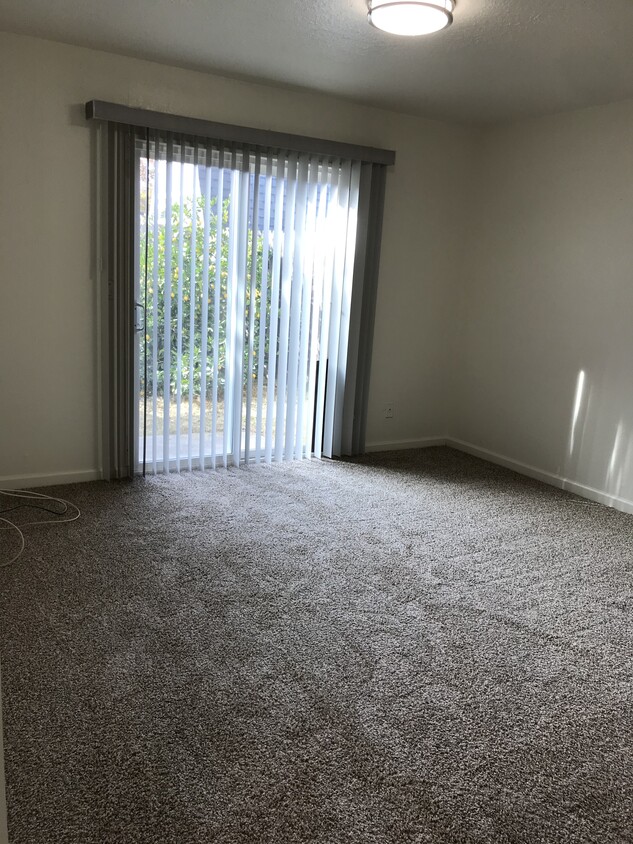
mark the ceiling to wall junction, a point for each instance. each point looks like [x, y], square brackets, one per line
[501, 60]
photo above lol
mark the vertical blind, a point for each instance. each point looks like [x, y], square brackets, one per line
[237, 272]
[245, 261]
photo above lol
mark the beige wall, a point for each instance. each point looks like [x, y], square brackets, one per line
[506, 267]
[547, 294]
[47, 310]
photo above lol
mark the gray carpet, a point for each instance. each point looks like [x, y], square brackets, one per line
[419, 647]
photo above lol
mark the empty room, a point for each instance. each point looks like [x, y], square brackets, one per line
[316, 422]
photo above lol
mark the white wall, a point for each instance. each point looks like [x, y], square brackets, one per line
[546, 294]
[506, 267]
[48, 411]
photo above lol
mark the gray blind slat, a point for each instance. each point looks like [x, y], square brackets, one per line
[114, 113]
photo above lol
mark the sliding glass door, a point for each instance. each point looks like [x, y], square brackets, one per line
[244, 271]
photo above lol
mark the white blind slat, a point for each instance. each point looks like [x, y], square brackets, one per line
[296, 295]
[254, 321]
[351, 216]
[263, 311]
[218, 372]
[285, 294]
[250, 374]
[330, 234]
[240, 312]
[192, 308]
[204, 317]
[179, 317]
[302, 445]
[167, 309]
[271, 404]
[340, 218]
[318, 273]
[229, 338]
[154, 306]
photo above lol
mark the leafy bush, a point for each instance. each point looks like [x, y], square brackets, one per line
[163, 285]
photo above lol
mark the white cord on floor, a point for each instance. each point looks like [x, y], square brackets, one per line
[22, 541]
[36, 496]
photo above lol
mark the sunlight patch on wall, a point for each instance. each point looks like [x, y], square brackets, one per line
[580, 393]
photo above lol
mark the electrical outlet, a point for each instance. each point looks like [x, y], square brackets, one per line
[389, 411]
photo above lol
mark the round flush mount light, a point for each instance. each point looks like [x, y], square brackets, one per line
[409, 17]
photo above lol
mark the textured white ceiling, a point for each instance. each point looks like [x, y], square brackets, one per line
[501, 59]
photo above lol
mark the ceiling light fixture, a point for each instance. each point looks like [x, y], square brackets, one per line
[410, 17]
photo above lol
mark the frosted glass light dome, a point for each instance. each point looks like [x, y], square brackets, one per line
[410, 17]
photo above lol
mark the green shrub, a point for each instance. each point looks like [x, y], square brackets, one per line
[163, 281]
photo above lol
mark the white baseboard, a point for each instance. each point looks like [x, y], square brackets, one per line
[53, 479]
[598, 495]
[401, 445]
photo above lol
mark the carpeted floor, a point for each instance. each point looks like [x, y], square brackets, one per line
[420, 647]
